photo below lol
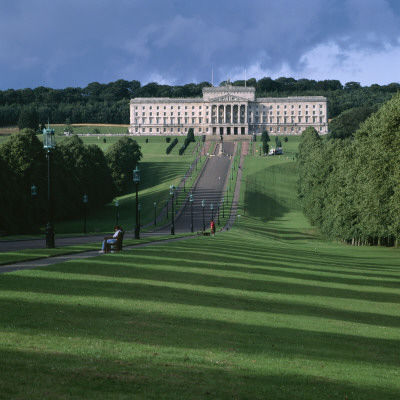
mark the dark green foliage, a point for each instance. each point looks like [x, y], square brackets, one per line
[28, 118]
[109, 103]
[167, 139]
[350, 189]
[265, 139]
[278, 142]
[182, 150]
[344, 125]
[190, 136]
[265, 136]
[122, 158]
[78, 170]
[286, 139]
[171, 146]
[22, 163]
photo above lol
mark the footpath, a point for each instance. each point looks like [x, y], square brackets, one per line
[208, 174]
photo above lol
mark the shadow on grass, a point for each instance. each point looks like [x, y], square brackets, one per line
[150, 377]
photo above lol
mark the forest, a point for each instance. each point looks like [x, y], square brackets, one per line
[349, 187]
[109, 103]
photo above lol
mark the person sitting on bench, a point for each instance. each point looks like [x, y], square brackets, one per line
[111, 239]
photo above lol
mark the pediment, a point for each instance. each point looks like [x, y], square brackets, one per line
[228, 98]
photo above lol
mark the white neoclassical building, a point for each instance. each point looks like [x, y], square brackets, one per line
[227, 110]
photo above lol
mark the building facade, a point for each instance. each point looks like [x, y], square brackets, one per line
[228, 110]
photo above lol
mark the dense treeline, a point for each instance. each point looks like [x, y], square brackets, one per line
[350, 189]
[78, 169]
[109, 103]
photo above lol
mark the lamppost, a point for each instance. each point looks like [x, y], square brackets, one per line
[139, 209]
[116, 212]
[33, 195]
[184, 186]
[172, 193]
[223, 207]
[191, 212]
[136, 179]
[203, 203]
[155, 213]
[85, 203]
[212, 211]
[49, 144]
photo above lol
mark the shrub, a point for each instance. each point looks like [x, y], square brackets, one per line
[172, 145]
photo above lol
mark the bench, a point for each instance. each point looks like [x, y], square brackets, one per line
[117, 246]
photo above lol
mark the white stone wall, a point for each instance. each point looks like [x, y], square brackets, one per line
[236, 111]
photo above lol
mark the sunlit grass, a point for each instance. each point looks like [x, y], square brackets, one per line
[267, 310]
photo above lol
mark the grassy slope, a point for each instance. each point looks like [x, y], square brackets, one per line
[158, 172]
[267, 310]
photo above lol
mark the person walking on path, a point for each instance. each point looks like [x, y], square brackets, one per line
[212, 228]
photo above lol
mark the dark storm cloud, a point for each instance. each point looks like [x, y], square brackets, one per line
[58, 44]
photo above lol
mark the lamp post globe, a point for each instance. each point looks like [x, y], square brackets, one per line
[172, 193]
[136, 179]
[49, 145]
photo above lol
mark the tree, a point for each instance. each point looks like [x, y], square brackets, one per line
[345, 125]
[122, 158]
[28, 118]
[23, 164]
[265, 136]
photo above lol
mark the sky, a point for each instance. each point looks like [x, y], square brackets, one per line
[71, 43]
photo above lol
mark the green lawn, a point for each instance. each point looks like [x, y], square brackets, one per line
[158, 172]
[268, 310]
